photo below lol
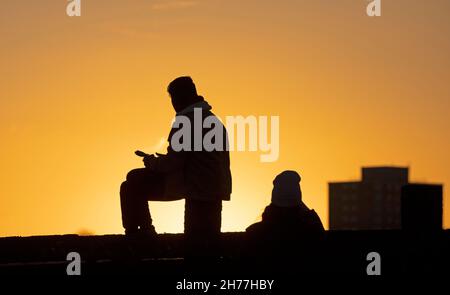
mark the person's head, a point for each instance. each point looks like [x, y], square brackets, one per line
[183, 93]
[286, 189]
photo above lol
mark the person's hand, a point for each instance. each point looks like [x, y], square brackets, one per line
[149, 161]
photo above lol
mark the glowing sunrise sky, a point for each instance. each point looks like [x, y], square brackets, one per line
[79, 95]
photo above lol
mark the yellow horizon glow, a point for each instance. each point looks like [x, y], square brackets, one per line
[79, 95]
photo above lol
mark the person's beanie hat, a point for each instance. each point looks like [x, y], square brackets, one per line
[182, 87]
[286, 189]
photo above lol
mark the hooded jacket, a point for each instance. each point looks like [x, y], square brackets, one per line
[285, 232]
[295, 222]
[287, 239]
[206, 174]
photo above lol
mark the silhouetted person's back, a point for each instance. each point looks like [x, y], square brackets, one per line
[289, 231]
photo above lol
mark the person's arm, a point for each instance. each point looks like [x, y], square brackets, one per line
[171, 161]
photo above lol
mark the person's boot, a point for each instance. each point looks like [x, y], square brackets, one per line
[131, 231]
[148, 231]
[143, 232]
[142, 243]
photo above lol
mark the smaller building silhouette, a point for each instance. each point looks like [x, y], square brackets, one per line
[421, 207]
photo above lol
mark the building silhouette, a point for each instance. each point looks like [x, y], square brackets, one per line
[375, 202]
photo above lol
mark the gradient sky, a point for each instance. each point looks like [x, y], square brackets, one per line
[79, 95]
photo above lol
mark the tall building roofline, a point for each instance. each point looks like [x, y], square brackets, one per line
[426, 183]
[385, 167]
[345, 182]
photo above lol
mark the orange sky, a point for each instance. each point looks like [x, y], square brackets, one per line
[79, 95]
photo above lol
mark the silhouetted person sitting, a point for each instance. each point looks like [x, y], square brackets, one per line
[201, 177]
[289, 230]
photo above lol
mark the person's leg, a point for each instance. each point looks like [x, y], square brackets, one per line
[141, 186]
[202, 227]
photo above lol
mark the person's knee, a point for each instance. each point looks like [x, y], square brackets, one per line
[124, 188]
[133, 175]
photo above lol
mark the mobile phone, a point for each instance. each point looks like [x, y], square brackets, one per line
[141, 154]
